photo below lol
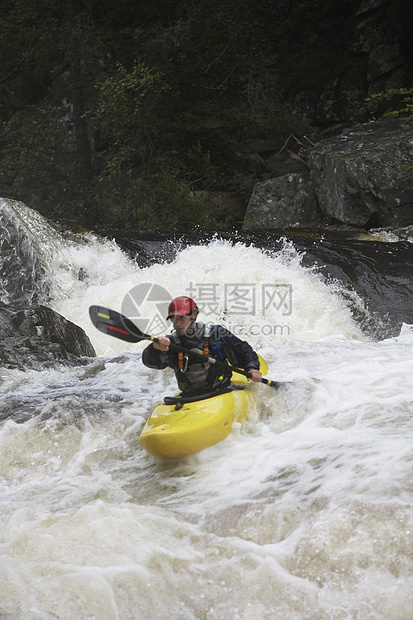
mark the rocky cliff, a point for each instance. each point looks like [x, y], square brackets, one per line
[37, 337]
[348, 171]
[335, 54]
[32, 335]
[362, 178]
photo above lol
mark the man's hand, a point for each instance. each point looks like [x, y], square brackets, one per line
[162, 344]
[255, 375]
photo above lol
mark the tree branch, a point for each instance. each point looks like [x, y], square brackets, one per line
[21, 61]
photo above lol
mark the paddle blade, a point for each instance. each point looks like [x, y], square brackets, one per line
[115, 324]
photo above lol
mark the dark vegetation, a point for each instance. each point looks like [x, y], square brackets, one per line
[140, 112]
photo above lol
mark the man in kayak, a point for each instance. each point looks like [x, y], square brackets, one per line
[214, 341]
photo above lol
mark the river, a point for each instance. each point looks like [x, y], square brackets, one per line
[303, 513]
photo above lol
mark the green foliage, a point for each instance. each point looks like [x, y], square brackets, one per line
[167, 202]
[28, 37]
[398, 103]
[154, 185]
[33, 159]
[134, 110]
[128, 101]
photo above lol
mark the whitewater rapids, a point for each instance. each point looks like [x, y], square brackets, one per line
[304, 513]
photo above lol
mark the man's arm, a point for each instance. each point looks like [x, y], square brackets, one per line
[244, 353]
[153, 357]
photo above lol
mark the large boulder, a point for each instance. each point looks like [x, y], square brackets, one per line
[37, 337]
[286, 201]
[362, 177]
[32, 335]
[23, 254]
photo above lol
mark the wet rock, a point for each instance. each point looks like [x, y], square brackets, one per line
[27, 245]
[352, 50]
[37, 337]
[280, 164]
[286, 201]
[361, 177]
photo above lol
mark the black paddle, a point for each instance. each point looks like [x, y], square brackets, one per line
[115, 324]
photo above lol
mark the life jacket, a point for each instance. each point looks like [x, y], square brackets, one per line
[193, 375]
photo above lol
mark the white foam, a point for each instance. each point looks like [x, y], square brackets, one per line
[314, 310]
[303, 512]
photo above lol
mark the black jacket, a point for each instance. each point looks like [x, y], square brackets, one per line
[223, 345]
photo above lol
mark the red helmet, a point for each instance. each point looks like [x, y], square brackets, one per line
[181, 306]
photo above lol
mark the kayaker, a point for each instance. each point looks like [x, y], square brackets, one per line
[214, 341]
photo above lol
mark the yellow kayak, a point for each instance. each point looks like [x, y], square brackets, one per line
[179, 429]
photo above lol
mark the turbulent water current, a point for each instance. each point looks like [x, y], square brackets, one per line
[303, 513]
